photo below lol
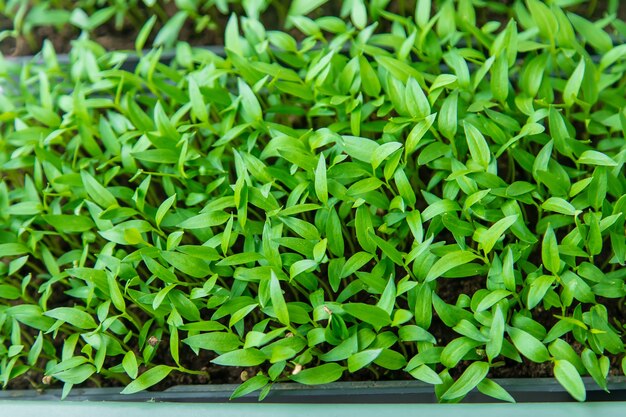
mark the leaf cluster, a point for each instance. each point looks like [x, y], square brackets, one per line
[304, 208]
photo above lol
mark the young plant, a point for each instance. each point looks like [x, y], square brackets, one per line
[435, 195]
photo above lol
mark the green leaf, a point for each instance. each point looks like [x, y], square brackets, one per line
[416, 101]
[304, 7]
[321, 187]
[550, 251]
[559, 205]
[278, 301]
[142, 37]
[388, 249]
[417, 133]
[149, 378]
[508, 274]
[412, 333]
[449, 261]
[570, 379]
[323, 374]
[98, 194]
[72, 316]
[163, 209]
[500, 78]
[496, 335]
[494, 390]
[447, 121]
[168, 34]
[369, 78]
[591, 157]
[361, 149]
[454, 351]
[422, 12]
[76, 375]
[373, 315]
[471, 377]
[528, 345]
[129, 363]
[253, 384]
[544, 19]
[356, 262]
[250, 107]
[490, 237]
[592, 365]
[197, 102]
[241, 357]
[362, 359]
[477, 145]
[190, 265]
[203, 220]
[388, 298]
[597, 37]
[570, 92]
[538, 289]
[217, 341]
[68, 223]
[12, 249]
[426, 374]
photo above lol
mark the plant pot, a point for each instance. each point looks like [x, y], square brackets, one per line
[543, 395]
[524, 390]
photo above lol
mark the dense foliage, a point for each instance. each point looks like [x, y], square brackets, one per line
[303, 209]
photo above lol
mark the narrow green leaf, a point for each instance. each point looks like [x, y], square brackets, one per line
[321, 185]
[570, 379]
[494, 390]
[73, 316]
[362, 359]
[388, 249]
[449, 261]
[142, 37]
[496, 334]
[100, 195]
[149, 378]
[572, 87]
[550, 251]
[417, 133]
[253, 384]
[217, 341]
[278, 301]
[477, 145]
[528, 345]
[197, 101]
[447, 121]
[416, 101]
[129, 363]
[592, 157]
[471, 377]
[490, 237]
[373, 315]
[538, 289]
[426, 374]
[323, 374]
[241, 357]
